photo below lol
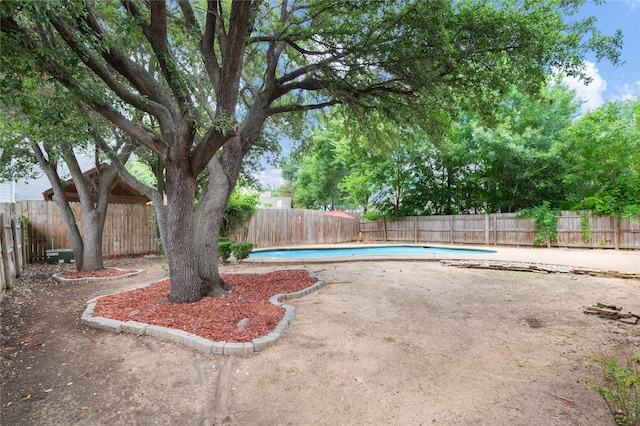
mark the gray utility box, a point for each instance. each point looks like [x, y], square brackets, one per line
[60, 256]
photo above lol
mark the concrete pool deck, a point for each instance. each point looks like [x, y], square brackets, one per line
[606, 259]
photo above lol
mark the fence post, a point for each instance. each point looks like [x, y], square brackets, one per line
[384, 225]
[616, 234]
[23, 241]
[17, 254]
[451, 230]
[486, 229]
[4, 247]
[415, 229]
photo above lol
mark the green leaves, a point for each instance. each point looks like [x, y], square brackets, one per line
[546, 223]
[603, 159]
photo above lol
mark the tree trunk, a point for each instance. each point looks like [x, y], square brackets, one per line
[186, 285]
[93, 226]
[209, 217]
[69, 220]
[223, 175]
[449, 201]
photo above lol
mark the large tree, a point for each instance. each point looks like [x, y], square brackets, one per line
[602, 150]
[316, 170]
[209, 75]
[515, 162]
[519, 164]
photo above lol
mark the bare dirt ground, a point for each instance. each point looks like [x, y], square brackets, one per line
[402, 343]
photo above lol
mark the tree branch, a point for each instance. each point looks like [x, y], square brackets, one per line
[207, 40]
[297, 107]
[138, 76]
[157, 36]
[90, 59]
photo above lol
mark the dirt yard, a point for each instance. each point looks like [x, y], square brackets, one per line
[403, 343]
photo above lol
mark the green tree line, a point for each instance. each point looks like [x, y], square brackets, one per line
[535, 150]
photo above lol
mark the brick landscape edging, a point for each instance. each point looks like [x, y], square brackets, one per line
[194, 341]
[59, 278]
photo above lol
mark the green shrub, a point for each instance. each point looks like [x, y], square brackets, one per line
[241, 250]
[224, 249]
[546, 223]
[621, 389]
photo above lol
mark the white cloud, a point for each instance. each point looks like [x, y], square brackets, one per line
[271, 178]
[627, 91]
[591, 94]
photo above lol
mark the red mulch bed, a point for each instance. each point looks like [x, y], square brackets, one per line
[102, 273]
[213, 319]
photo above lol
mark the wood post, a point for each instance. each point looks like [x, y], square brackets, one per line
[451, 230]
[486, 229]
[17, 254]
[4, 247]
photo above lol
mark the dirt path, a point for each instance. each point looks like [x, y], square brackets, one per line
[382, 343]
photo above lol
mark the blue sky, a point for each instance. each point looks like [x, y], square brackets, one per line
[609, 83]
[613, 83]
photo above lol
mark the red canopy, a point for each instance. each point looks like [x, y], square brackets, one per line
[340, 213]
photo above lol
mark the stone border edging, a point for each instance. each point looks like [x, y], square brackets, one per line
[60, 279]
[194, 341]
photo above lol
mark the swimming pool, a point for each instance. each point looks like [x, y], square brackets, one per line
[362, 251]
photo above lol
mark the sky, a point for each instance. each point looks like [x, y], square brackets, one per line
[609, 83]
[612, 83]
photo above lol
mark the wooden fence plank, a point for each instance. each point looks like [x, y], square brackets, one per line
[129, 229]
[6, 254]
[505, 229]
[3, 278]
[279, 227]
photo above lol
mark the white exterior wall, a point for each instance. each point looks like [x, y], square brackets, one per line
[7, 192]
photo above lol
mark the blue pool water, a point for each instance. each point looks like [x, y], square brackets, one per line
[362, 251]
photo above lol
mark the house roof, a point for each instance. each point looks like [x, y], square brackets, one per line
[120, 191]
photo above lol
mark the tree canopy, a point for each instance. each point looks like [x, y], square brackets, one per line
[536, 152]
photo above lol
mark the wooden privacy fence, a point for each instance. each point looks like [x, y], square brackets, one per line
[129, 229]
[281, 227]
[505, 229]
[12, 247]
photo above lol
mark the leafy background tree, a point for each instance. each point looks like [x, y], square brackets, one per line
[45, 128]
[602, 153]
[472, 168]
